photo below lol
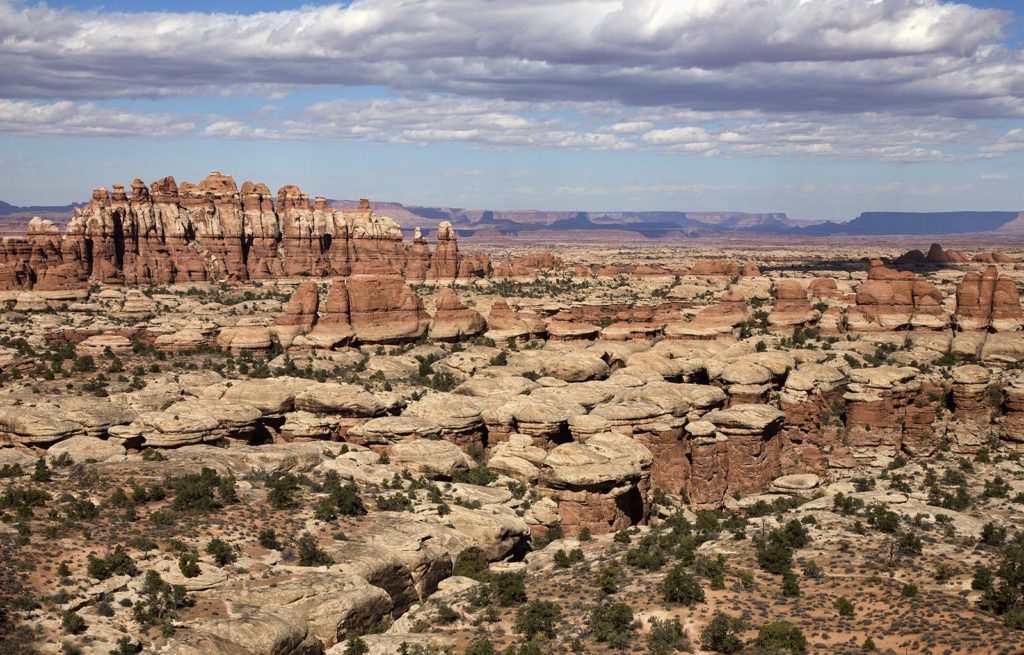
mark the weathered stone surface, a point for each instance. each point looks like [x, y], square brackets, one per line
[100, 344]
[337, 398]
[193, 421]
[792, 307]
[82, 449]
[891, 299]
[452, 319]
[599, 485]
[387, 430]
[988, 302]
[434, 459]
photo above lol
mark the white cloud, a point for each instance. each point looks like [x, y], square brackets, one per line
[1012, 141]
[67, 118]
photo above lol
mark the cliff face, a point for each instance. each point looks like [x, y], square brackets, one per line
[167, 233]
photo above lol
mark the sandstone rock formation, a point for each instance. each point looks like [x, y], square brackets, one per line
[988, 302]
[890, 300]
[792, 307]
[168, 233]
[452, 319]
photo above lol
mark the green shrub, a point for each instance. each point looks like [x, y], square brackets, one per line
[268, 539]
[188, 564]
[221, 551]
[538, 618]
[780, 638]
[72, 623]
[667, 637]
[310, 554]
[844, 606]
[115, 562]
[509, 587]
[613, 623]
[721, 634]
[680, 587]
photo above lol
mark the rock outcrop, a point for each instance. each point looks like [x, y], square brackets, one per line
[600, 485]
[792, 308]
[988, 302]
[892, 300]
[168, 233]
[452, 319]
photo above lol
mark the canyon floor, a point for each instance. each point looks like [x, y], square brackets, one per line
[658, 449]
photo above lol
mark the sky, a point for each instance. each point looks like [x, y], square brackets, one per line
[822, 109]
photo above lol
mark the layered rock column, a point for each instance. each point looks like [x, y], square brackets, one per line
[752, 445]
[971, 427]
[988, 302]
[213, 230]
[792, 308]
[812, 403]
[601, 485]
[875, 409]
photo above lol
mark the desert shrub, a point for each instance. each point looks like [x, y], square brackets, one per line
[310, 554]
[843, 606]
[1005, 597]
[509, 587]
[680, 587]
[722, 634]
[538, 618]
[221, 551]
[608, 578]
[196, 492]
[471, 563]
[115, 562]
[780, 638]
[667, 637]
[281, 490]
[478, 475]
[159, 602]
[480, 647]
[188, 564]
[72, 623]
[613, 623]
[268, 539]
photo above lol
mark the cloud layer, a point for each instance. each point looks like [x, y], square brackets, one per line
[921, 56]
[890, 80]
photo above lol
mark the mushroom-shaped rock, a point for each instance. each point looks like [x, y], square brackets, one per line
[460, 417]
[393, 429]
[599, 485]
[242, 338]
[490, 387]
[543, 419]
[571, 331]
[193, 421]
[98, 345]
[35, 425]
[272, 396]
[435, 459]
[577, 367]
[83, 448]
[346, 400]
[746, 419]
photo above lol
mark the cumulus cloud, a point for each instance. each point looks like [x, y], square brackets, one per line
[498, 124]
[921, 56]
[66, 118]
[430, 119]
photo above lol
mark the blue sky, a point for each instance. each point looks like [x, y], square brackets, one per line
[820, 110]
